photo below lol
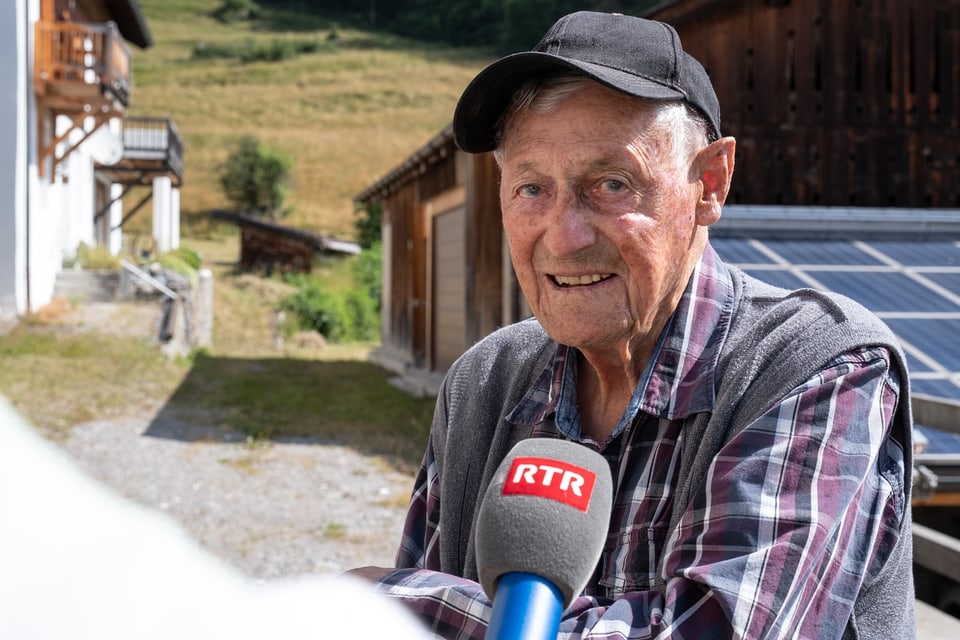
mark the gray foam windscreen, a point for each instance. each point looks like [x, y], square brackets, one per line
[546, 512]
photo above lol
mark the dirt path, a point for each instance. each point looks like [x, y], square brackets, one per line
[271, 509]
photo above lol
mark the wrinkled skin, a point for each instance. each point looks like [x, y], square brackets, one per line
[605, 226]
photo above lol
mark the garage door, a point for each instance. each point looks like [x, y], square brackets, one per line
[449, 281]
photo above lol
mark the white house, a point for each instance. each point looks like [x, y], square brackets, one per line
[68, 151]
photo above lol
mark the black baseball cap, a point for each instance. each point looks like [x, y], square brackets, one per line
[639, 57]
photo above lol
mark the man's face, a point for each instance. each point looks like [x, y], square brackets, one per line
[600, 218]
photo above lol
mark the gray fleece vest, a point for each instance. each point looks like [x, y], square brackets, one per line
[777, 340]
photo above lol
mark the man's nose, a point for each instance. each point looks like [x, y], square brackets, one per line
[569, 227]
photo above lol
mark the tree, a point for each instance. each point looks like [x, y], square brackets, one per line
[254, 179]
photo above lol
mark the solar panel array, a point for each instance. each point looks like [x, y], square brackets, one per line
[913, 286]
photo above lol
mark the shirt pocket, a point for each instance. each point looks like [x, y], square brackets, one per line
[630, 559]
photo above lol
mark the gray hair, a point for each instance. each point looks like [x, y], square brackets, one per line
[686, 129]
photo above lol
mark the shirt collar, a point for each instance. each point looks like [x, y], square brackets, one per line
[680, 379]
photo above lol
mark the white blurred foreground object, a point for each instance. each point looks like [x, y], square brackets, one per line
[77, 561]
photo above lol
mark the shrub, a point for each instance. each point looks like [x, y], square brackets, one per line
[367, 223]
[236, 11]
[254, 178]
[367, 272]
[350, 315]
[250, 51]
[174, 262]
[362, 317]
[189, 256]
[97, 257]
[316, 309]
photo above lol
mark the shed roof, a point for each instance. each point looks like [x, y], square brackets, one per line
[313, 240]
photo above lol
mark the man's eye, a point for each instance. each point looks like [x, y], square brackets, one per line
[529, 190]
[613, 185]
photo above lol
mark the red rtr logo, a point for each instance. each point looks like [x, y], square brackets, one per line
[552, 479]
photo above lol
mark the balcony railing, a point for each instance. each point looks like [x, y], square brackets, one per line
[79, 63]
[152, 147]
[153, 139]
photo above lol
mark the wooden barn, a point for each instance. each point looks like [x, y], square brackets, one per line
[839, 108]
[446, 272]
[849, 103]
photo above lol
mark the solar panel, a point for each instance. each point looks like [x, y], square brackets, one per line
[913, 286]
[739, 251]
[779, 278]
[938, 338]
[936, 387]
[940, 441]
[949, 281]
[833, 252]
[914, 254]
[885, 291]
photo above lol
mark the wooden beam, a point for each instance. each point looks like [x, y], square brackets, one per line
[50, 150]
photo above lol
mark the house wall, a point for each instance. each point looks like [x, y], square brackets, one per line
[16, 135]
[42, 218]
[12, 123]
[61, 216]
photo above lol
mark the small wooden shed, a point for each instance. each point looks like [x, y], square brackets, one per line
[266, 245]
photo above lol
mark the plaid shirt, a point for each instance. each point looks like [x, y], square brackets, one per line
[800, 508]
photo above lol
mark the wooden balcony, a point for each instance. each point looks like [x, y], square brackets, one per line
[152, 147]
[82, 67]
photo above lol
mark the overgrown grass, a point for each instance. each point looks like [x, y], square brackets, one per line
[346, 114]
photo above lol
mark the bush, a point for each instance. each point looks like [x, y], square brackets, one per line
[350, 315]
[367, 272]
[189, 256]
[361, 315]
[367, 223]
[250, 51]
[254, 178]
[173, 261]
[88, 257]
[236, 11]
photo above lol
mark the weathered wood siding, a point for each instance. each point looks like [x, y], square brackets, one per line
[834, 103]
[485, 277]
[406, 272]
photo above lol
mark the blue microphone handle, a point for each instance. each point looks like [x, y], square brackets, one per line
[525, 607]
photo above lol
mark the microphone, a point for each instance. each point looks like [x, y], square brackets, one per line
[540, 532]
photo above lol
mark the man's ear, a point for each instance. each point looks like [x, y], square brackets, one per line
[714, 167]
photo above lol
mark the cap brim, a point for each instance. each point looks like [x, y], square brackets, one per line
[483, 102]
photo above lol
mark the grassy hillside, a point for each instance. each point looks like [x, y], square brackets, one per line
[345, 114]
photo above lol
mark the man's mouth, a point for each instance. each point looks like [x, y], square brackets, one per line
[579, 281]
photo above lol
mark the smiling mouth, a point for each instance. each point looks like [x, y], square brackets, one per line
[579, 281]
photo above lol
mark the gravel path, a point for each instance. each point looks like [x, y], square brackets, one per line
[271, 509]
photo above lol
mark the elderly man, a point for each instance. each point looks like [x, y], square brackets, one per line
[759, 439]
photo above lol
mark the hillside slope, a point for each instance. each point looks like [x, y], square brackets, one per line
[345, 114]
